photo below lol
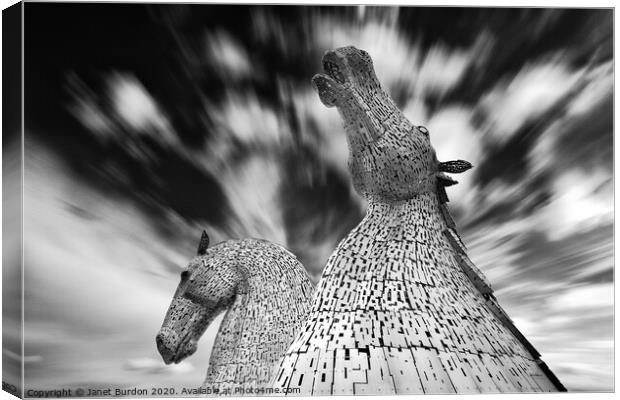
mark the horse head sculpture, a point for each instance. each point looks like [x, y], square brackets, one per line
[400, 284]
[265, 292]
[206, 289]
[390, 158]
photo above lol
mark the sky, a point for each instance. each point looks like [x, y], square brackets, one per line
[147, 123]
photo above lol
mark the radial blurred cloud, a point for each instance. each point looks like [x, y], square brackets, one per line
[180, 118]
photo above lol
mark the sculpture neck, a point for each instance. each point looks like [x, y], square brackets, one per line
[418, 212]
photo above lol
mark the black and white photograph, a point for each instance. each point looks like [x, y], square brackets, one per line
[236, 199]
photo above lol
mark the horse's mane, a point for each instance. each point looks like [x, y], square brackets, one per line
[266, 313]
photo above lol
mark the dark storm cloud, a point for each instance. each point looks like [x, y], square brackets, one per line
[587, 141]
[587, 257]
[317, 207]
[516, 36]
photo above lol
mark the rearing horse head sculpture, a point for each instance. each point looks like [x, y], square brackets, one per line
[390, 159]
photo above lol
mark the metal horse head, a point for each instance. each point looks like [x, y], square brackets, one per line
[206, 289]
[390, 158]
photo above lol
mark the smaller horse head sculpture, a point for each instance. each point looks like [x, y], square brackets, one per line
[265, 292]
[207, 288]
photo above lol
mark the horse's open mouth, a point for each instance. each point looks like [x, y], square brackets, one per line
[333, 71]
[332, 82]
[185, 349]
[331, 75]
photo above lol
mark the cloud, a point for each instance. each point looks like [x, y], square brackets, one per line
[252, 189]
[155, 366]
[110, 267]
[565, 316]
[244, 118]
[599, 86]
[242, 154]
[578, 203]
[87, 110]
[582, 136]
[515, 101]
[124, 112]
[442, 69]
[132, 103]
[574, 149]
[454, 138]
[494, 249]
[18, 357]
[321, 131]
[228, 57]
[584, 299]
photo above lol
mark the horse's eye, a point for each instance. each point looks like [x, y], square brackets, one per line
[423, 130]
[191, 297]
[184, 275]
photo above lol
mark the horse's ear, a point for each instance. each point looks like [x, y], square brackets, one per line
[204, 243]
[455, 167]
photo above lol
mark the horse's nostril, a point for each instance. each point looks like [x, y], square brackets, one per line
[159, 340]
[165, 353]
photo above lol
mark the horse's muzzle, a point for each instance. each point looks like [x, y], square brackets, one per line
[167, 344]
